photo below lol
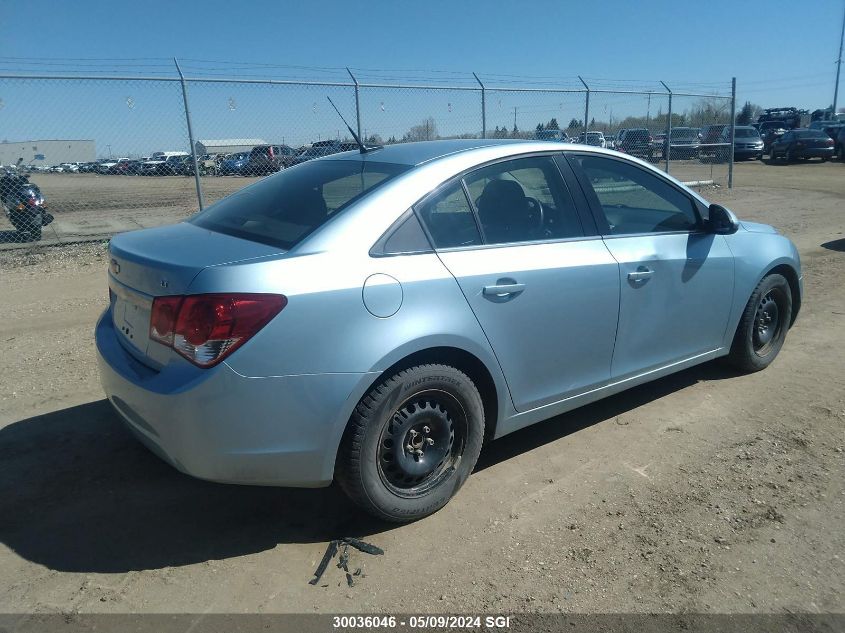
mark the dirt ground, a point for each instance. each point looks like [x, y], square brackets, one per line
[705, 491]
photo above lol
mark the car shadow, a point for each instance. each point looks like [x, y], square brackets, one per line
[80, 494]
[553, 429]
[835, 245]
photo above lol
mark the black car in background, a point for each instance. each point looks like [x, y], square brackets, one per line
[839, 144]
[636, 142]
[770, 131]
[712, 146]
[802, 143]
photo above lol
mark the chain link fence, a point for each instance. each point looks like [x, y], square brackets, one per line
[83, 158]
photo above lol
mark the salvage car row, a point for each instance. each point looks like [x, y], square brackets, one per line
[261, 160]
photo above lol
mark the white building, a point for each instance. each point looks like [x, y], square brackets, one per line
[227, 145]
[47, 152]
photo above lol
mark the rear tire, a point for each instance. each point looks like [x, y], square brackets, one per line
[763, 325]
[412, 442]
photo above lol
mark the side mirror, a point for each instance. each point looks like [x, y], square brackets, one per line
[721, 221]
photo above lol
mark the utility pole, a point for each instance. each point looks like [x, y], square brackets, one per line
[514, 116]
[838, 66]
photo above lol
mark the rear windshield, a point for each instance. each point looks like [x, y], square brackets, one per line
[283, 209]
[811, 134]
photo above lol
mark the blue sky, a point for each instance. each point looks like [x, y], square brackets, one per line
[691, 45]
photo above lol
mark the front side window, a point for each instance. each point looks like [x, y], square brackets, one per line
[283, 209]
[523, 200]
[635, 201]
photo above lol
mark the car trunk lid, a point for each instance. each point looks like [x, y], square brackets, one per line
[164, 261]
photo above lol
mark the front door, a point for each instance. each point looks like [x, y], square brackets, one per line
[676, 280]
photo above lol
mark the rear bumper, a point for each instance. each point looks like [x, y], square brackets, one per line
[218, 425]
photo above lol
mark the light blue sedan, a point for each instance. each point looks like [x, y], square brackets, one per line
[372, 318]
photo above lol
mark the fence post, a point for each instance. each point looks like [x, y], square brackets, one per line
[483, 108]
[190, 135]
[586, 108]
[667, 145]
[733, 131]
[357, 105]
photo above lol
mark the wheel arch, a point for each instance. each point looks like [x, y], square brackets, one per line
[791, 276]
[469, 363]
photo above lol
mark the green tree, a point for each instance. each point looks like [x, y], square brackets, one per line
[552, 125]
[748, 113]
[574, 124]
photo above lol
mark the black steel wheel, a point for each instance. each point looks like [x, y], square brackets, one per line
[764, 324]
[411, 443]
[421, 443]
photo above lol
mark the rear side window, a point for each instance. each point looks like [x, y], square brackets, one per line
[523, 200]
[284, 209]
[449, 218]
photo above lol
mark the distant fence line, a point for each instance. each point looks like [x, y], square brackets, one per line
[135, 115]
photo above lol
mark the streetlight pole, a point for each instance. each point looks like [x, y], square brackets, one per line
[838, 65]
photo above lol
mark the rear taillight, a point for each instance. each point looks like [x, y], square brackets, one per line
[205, 329]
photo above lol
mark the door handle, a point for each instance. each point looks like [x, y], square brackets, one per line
[640, 275]
[503, 290]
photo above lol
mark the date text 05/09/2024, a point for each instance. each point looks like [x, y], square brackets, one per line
[421, 621]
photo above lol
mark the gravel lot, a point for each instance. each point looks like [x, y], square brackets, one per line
[705, 491]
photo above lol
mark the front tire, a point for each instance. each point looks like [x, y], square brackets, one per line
[412, 442]
[763, 326]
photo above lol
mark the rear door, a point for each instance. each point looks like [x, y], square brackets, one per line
[542, 285]
[676, 280]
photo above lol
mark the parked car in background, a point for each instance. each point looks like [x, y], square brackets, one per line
[88, 168]
[684, 143]
[747, 142]
[636, 142]
[790, 117]
[322, 148]
[106, 165]
[268, 159]
[833, 132]
[802, 143]
[233, 164]
[372, 319]
[596, 139]
[157, 163]
[712, 144]
[839, 144]
[821, 124]
[121, 167]
[770, 131]
[551, 135]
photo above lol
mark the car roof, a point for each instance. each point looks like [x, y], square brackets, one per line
[421, 152]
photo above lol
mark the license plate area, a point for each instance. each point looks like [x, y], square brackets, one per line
[131, 316]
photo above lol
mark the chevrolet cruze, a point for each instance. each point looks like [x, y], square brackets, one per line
[372, 318]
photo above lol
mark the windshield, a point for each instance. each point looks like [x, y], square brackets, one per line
[684, 133]
[745, 132]
[283, 209]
